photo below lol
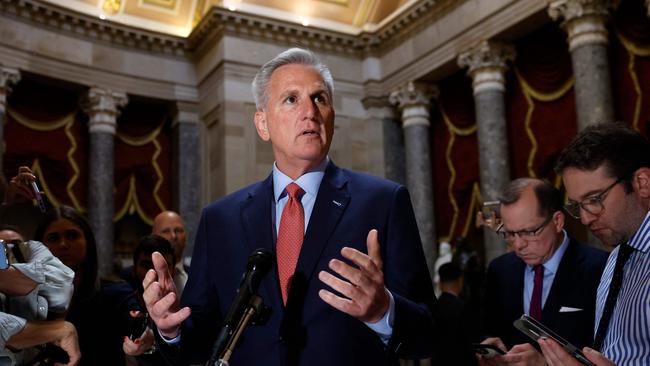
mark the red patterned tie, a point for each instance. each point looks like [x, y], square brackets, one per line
[536, 299]
[290, 237]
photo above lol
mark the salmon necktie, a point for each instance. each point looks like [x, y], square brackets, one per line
[290, 237]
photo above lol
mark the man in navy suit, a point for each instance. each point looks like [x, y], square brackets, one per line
[545, 260]
[350, 299]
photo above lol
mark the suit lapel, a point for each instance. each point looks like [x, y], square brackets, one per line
[331, 202]
[519, 288]
[258, 229]
[562, 282]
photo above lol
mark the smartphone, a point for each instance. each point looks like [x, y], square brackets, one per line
[487, 350]
[4, 260]
[536, 330]
[138, 326]
[39, 197]
[489, 207]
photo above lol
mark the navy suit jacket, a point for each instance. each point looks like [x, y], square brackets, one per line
[308, 331]
[574, 286]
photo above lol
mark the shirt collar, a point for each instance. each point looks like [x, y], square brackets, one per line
[551, 265]
[309, 182]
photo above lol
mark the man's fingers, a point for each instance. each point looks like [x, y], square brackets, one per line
[353, 275]
[337, 302]
[344, 288]
[149, 278]
[160, 265]
[374, 250]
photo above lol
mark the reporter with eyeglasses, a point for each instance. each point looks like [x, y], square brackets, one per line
[547, 275]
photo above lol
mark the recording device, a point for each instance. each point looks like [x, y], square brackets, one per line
[39, 197]
[487, 350]
[4, 258]
[259, 264]
[536, 330]
[489, 207]
[138, 326]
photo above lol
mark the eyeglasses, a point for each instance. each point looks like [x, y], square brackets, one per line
[523, 234]
[593, 205]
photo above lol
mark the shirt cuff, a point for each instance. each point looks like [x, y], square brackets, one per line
[172, 342]
[384, 327]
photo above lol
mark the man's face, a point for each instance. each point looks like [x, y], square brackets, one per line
[523, 216]
[614, 224]
[298, 117]
[171, 227]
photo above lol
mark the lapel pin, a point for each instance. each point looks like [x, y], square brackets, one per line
[336, 203]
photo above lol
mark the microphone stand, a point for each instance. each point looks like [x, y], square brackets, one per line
[254, 308]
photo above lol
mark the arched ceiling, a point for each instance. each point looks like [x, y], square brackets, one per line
[178, 17]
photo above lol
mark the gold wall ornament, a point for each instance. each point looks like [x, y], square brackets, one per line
[112, 7]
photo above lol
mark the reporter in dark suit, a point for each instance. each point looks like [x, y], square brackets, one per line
[548, 275]
[360, 292]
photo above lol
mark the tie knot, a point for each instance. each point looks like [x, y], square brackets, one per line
[539, 269]
[294, 191]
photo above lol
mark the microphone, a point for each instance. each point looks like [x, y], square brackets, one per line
[259, 264]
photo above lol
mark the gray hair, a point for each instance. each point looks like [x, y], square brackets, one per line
[291, 56]
[548, 197]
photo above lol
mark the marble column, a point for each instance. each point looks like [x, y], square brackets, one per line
[379, 110]
[414, 102]
[8, 76]
[487, 66]
[102, 107]
[187, 169]
[584, 21]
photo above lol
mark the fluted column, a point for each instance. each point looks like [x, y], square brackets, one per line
[8, 77]
[102, 107]
[187, 168]
[584, 21]
[487, 66]
[414, 102]
[380, 111]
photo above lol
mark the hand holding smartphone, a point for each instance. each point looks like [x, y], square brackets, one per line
[487, 350]
[536, 330]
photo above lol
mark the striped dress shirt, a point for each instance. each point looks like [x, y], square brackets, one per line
[627, 341]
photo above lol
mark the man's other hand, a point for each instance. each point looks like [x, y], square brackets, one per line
[161, 299]
[364, 295]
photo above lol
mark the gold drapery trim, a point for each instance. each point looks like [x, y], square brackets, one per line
[131, 205]
[151, 137]
[474, 203]
[42, 126]
[531, 93]
[66, 122]
[634, 50]
[453, 132]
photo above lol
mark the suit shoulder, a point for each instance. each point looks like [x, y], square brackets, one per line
[367, 181]
[504, 262]
[591, 256]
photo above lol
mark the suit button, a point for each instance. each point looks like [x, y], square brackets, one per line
[281, 339]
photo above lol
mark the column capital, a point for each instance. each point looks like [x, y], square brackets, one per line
[8, 77]
[583, 20]
[487, 64]
[103, 107]
[413, 94]
[414, 100]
